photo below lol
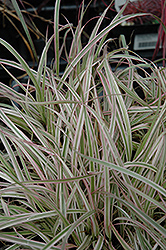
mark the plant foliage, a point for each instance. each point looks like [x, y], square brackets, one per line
[82, 160]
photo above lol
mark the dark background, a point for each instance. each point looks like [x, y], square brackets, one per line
[41, 13]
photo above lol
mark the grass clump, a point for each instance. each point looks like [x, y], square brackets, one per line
[83, 157]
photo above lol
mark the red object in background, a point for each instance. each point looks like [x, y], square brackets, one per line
[144, 6]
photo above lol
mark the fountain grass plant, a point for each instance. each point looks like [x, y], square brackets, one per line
[82, 160]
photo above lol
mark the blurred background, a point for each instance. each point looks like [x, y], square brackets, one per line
[144, 35]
